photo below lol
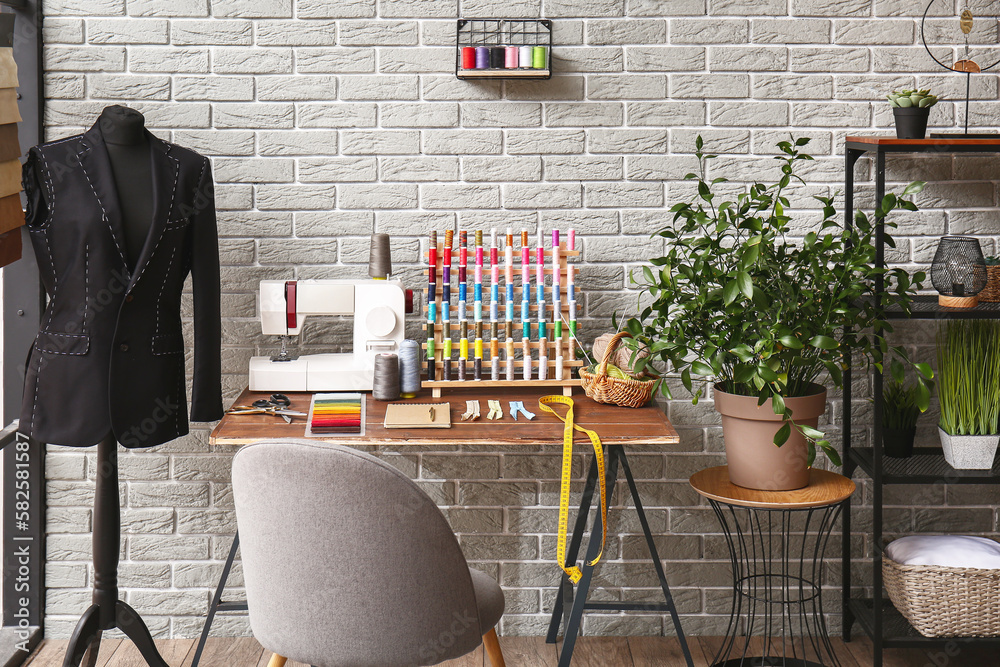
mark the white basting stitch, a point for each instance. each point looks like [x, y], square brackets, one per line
[86, 283]
[68, 354]
[34, 404]
[181, 399]
[163, 288]
[201, 175]
[152, 254]
[50, 187]
[55, 281]
[64, 335]
[61, 141]
[104, 213]
[173, 192]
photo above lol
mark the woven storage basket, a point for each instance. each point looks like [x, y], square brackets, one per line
[628, 393]
[991, 292]
[945, 601]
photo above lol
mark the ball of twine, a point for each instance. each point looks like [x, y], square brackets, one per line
[621, 357]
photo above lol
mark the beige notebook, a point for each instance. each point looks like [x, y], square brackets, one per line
[418, 415]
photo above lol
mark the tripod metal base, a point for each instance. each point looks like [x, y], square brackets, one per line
[570, 604]
[108, 612]
[86, 640]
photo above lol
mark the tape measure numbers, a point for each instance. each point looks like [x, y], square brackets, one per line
[544, 402]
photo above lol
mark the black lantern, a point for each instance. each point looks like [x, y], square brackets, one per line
[958, 271]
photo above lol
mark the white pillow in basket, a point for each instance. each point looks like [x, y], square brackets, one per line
[946, 551]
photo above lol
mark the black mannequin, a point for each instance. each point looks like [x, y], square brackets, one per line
[124, 132]
[131, 163]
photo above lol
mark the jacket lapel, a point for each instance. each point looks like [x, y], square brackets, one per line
[165, 171]
[97, 168]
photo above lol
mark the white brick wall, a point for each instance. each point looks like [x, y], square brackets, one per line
[328, 120]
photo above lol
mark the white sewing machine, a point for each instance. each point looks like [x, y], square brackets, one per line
[378, 307]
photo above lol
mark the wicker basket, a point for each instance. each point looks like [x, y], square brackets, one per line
[628, 393]
[945, 601]
[991, 292]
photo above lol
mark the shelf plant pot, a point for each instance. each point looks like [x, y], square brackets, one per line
[748, 430]
[969, 452]
[991, 293]
[898, 443]
[911, 123]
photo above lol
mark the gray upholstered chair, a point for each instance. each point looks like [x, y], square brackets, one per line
[348, 563]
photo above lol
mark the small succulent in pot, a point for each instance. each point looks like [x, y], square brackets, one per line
[907, 99]
[911, 109]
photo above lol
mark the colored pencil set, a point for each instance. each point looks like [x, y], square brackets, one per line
[546, 345]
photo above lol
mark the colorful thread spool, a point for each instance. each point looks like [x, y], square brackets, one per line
[511, 57]
[468, 57]
[497, 57]
[409, 368]
[538, 57]
[385, 382]
[524, 56]
[482, 57]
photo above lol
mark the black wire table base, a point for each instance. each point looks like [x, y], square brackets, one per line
[767, 662]
[777, 558]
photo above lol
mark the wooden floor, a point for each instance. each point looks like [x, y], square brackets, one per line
[518, 652]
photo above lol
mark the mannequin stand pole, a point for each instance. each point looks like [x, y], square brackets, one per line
[108, 612]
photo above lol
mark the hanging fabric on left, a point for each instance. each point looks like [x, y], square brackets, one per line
[11, 213]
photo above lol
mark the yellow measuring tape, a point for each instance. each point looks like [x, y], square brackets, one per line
[573, 571]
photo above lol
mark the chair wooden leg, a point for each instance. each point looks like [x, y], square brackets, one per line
[277, 660]
[492, 646]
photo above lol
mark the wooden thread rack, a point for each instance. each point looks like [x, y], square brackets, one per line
[565, 342]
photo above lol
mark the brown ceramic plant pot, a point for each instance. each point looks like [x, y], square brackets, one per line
[748, 430]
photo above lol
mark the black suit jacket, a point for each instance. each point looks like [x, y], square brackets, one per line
[109, 357]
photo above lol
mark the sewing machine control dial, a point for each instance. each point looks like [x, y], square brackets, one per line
[381, 321]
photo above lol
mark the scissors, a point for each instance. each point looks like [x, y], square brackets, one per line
[277, 404]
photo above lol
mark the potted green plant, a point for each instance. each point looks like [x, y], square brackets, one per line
[900, 410]
[911, 109]
[968, 358]
[736, 300]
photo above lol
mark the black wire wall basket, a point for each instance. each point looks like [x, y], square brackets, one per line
[503, 49]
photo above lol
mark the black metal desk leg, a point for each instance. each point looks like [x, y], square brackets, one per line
[574, 550]
[575, 618]
[216, 600]
[661, 575]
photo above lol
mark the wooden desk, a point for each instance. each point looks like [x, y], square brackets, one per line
[617, 427]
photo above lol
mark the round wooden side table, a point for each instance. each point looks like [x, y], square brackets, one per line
[777, 541]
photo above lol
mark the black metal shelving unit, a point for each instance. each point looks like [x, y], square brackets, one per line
[876, 615]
